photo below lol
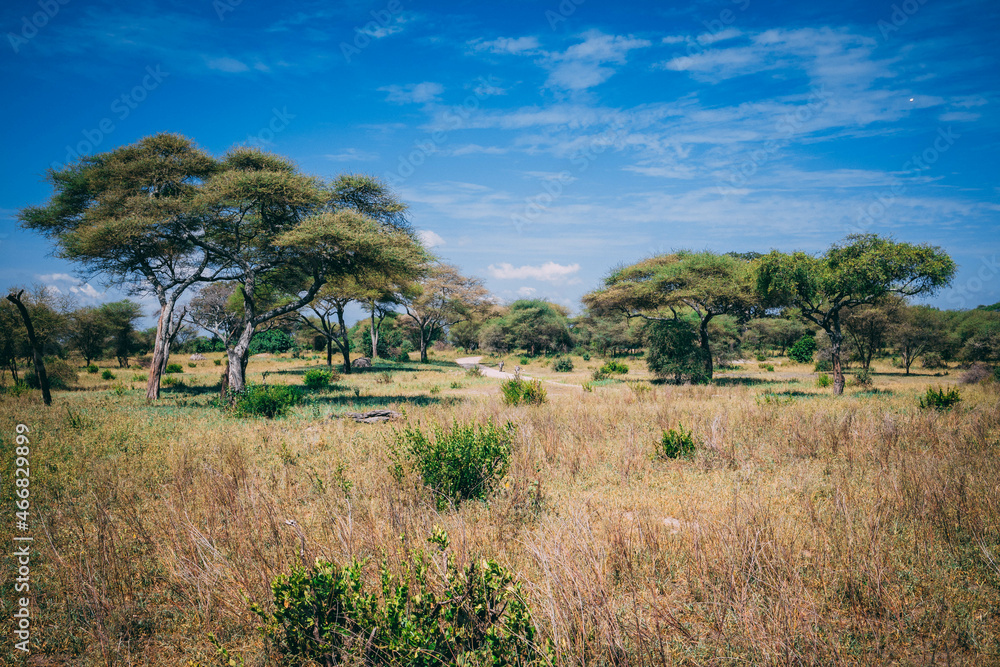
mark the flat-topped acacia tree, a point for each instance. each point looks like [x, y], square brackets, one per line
[862, 269]
[280, 236]
[122, 215]
[661, 287]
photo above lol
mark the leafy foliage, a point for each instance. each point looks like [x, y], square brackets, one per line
[517, 390]
[562, 365]
[613, 367]
[268, 401]
[940, 399]
[317, 378]
[803, 349]
[61, 375]
[460, 463]
[676, 444]
[274, 341]
[474, 615]
[173, 368]
[674, 352]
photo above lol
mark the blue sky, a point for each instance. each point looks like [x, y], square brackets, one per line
[541, 143]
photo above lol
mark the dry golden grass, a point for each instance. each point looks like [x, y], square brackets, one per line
[808, 529]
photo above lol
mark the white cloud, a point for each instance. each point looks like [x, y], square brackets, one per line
[53, 277]
[414, 93]
[352, 154]
[713, 37]
[526, 291]
[549, 271]
[509, 45]
[584, 65]
[86, 290]
[958, 117]
[227, 64]
[429, 238]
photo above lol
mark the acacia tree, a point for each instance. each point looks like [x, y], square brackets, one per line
[88, 333]
[916, 331]
[704, 283]
[868, 327]
[36, 349]
[274, 231]
[861, 270]
[121, 318]
[122, 215]
[442, 298]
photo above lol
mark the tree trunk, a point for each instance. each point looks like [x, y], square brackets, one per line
[373, 330]
[329, 352]
[345, 341]
[423, 346]
[706, 348]
[836, 338]
[237, 358]
[43, 378]
[159, 362]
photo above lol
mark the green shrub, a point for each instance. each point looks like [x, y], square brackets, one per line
[823, 380]
[474, 371]
[169, 381]
[586, 356]
[524, 361]
[461, 463]
[92, 368]
[518, 390]
[599, 375]
[60, 374]
[107, 375]
[191, 364]
[761, 357]
[17, 389]
[173, 368]
[613, 367]
[263, 401]
[823, 366]
[456, 384]
[474, 615]
[217, 362]
[863, 378]
[385, 377]
[563, 365]
[674, 352]
[940, 399]
[932, 360]
[317, 378]
[767, 367]
[803, 349]
[274, 341]
[675, 444]
[435, 389]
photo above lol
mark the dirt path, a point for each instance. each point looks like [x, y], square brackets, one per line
[469, 362]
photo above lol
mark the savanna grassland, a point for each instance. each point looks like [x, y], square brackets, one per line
[805, 529]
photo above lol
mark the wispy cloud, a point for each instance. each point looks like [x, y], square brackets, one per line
[509, 45]
[549, 271]
[430, 239]
[352, 155]
[589, 63]
[413, 93]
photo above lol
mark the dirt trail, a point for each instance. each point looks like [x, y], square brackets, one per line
[469, 362]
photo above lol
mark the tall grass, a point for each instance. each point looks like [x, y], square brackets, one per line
[851, 530]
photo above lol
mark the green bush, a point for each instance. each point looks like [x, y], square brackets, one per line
[191, 364]
[169, 381]
[563, 365]
[263, 401]
[524, 361]
[385, 377]
[518, 390]
[461, 463]
[474, 615]
[940, 399]
[60, 374]
[107, 375]
[803, 349]
[823, 380]
[761, 357]
[674, 352]
[317, 378]
[586, 356]
[173, 368]
[767, 367]
[613, 367]
[274, 341]
[92, 368]
[474, 371]
[823, 366]
[217, 362]
[863, 378]
[932, 360]
[675, 444]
